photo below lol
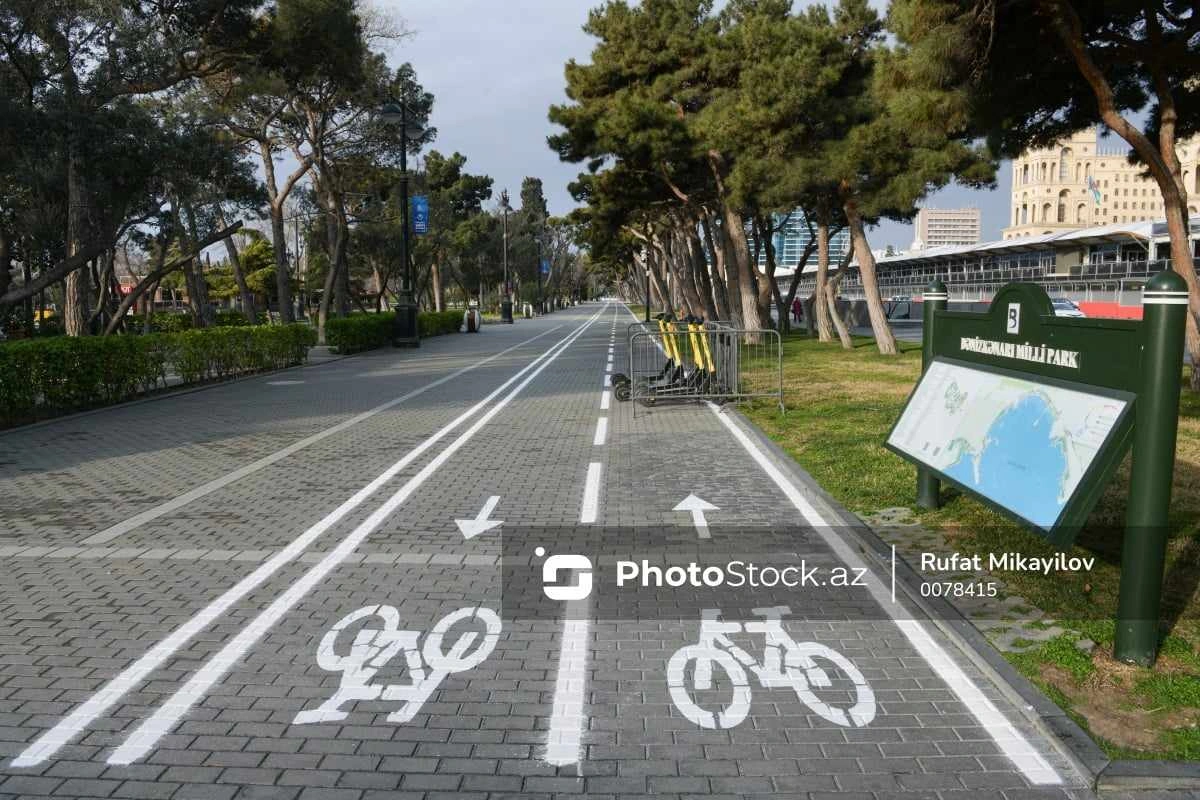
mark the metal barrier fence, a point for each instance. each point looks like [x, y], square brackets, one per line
[673, 360]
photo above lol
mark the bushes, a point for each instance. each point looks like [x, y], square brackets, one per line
[225, 352]
[436, 323]
[176, 321]
[43, 377]
[360, 332]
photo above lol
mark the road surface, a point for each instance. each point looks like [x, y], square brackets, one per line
[330, 583]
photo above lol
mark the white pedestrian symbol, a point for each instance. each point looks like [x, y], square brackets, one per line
[786, 664]
[374, 648]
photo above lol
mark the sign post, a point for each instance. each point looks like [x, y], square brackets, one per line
[1144, 550]
[1032, 414]
[936, 298]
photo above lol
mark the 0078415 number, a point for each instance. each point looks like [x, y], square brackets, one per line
[958, 589]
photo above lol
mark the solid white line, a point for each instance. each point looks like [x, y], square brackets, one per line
[164, 720]
[605, 400]
[137, 672]
[123, 527]
[601, 432]
[565, 737]
[591, 494]
[1018, 749]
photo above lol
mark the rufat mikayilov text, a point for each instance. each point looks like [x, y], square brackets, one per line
[1006, 562]
[736, 574]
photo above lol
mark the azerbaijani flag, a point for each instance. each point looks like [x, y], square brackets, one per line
[1094, 188]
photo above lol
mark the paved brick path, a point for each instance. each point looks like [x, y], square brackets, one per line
[261, 590]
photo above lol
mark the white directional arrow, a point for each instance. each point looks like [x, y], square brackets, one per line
[473, 527]
[697, 507]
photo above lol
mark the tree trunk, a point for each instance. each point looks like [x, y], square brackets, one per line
[681, 267]
[839, 321]
[202, 311]
[700, 271]
[768, 291]
[239, 276]
[158, 273]
[1162, 161]
[5, 263]
[821, 305]
[746, 290]
[866, 269]
[716, 257]
[439, 294]
[283, 284]
[77, 294]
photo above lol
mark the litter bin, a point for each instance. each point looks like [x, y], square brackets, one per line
[472, 319]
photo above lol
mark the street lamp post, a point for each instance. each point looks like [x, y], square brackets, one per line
[405, 331]
[541, 233]
[647, 293]
[506, 303]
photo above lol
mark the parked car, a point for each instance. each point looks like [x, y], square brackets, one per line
[1066, 308]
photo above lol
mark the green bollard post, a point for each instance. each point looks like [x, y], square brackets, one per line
[935, 298]
[1143, 552]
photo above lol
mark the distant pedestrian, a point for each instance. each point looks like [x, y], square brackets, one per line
[797, 310]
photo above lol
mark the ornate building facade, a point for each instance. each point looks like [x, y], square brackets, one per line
[1080, 182]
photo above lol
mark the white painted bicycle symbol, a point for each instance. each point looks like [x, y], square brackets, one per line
[786, 663]
[374, 648]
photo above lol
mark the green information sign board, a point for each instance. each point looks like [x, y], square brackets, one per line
[1040, 450]
[1032, 413]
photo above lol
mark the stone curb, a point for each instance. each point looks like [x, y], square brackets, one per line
[1149, 775]
[1072, 740]
[170, 392]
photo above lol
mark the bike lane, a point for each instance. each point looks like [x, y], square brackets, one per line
[73, 626]
[893, 708]
[546, 698]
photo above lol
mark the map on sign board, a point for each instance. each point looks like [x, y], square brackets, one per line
[1023, 444]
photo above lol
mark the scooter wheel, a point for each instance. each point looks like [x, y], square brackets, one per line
[623, 391]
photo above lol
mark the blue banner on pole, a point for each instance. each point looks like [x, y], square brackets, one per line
[420, 214]
[545, 267]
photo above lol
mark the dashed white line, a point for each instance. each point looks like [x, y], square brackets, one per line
[591, 494]
[601, 432]
[565, 737]
[605, 400]
[123, 527]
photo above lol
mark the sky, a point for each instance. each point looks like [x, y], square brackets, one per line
[495, 68]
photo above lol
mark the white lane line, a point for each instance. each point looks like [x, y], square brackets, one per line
[167, 716]
[565, 738]
[123, 527]
[1014, 745]
[591, 494]
[605, 400]
[601, 432]
[137, 672]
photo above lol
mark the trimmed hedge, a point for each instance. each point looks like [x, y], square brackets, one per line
[45, 377]
[360, 332]
[176, 321]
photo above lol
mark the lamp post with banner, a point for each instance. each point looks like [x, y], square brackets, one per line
[405, 331]
[506, 302]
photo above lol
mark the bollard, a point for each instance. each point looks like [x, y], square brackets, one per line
[1143, 552]
[935, 298]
